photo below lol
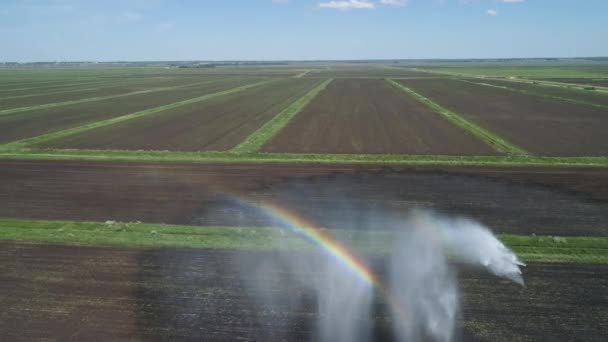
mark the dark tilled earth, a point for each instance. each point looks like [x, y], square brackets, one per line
[542, 126]
[85, 293]
[509, 200]
[370, 116]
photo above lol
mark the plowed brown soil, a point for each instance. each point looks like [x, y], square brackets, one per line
[555, 202]
[41, 121]
[369, 116]
[85, 294]
[540, 125]
[573, 94]
[215, 125]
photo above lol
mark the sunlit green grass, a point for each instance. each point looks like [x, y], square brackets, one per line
[140, 235]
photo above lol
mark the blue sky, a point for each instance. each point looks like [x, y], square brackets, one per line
[109, 30]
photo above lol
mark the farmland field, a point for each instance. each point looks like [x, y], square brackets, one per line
[359, 71]
[600, 82]
[587, 96]
[40, 121]
[118, 293]
[559, 202]
[217, 125]
[546, 71]
[140, 203]
[369, 116]
[542, 126]
[90, 90]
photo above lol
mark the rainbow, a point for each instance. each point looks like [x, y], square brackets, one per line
[313, 234]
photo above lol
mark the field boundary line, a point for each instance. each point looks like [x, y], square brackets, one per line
[271, 128]
[531, 93]
[88, 82]
[79, 129]
[294, 158]
[49, 93]
[487, 136]
[97, 98]
[94, 86]
[577, 86]
[590, 249]
[302, 74]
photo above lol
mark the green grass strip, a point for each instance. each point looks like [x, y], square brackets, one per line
[49, 93]
[265, 133]
[93, 99]
[518, 79]
[538, 94]
[70, 131]
[140, 235]
[93, 86]
[11, 151]
[490, 138]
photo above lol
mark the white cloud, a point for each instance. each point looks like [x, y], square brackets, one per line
[394, 2]
[347, 4]
[492, 12]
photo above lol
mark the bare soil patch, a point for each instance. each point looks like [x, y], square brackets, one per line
[214, 125]
[37, 122]
[540, 125]
[369, 116]
[544, 202]
[574, 94]
[57, 292]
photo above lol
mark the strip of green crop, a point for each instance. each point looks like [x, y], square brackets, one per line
[49, 93]
[97, 98]
[265, 133]
[11, 151]
[70, 131]
[490, 138]
[55, 86]
[140, 235]
[517, 80]
[97, 85]
[302, 74]
[532, 93]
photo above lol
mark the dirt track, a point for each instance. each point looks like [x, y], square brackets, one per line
[369, 116]
[556, 202]
[540, 125]
[77, 293]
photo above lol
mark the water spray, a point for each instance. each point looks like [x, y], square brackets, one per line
[421, 289]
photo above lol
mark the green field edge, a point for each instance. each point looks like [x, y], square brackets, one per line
[294, 158]
[532, 93]
[24, 143]
[100, 84]
[97, 98]
[269, 130]
[486, 136]
[142, 235]
[93, 86]
[575, 86]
